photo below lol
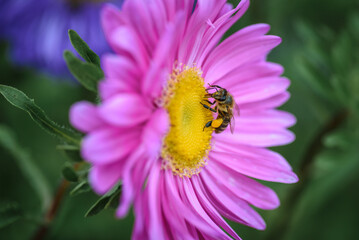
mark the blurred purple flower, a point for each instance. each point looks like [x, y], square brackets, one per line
[37, 30]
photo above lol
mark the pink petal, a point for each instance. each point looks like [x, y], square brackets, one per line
[121, 75]
[104, 177]
[254, 167]
[210, 209]
[237, 208]
[227, 58]
[155, 216]
[154, 131]
[243, 34]
[110, 87]
[140, 210]
[265, 119]
[110, 19]
[125, 110]
[124, 40]
[271, 102]
[135, 171]
[243, 187]
[273, 158]
[108, 145]
[249, 73]
[259, 89]
[158, 15]
[142, 21]
[121, 68]
[204, 11]
[183, 210]
[189, 193]
[226, 8]
[84, 116]
[163, 59]
[175, 218]
[259, 138]
[217, 25]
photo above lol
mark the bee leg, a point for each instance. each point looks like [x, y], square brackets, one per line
[208, 107]
[210, 88]
[211, 102]
[215, 86]
[207, 125]
[221, 113]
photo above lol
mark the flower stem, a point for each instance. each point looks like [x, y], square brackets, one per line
[52, 211]
[283, 223]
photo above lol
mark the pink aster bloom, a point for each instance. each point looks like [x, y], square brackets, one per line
[148, 131]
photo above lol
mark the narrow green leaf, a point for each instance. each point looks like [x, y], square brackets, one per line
[98, 206]
[83, 49]
[74, 156]
[106, 201]
[114, 200]
[71, 152]
[69, 173]
[67, 147]
[340, 138]
[86, 73]
[27, 166]
[342, 53]
[20, 100]
[9, 214]
[354, 24]
[82, 187]
[313, 77]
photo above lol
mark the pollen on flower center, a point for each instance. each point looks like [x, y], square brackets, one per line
[186, 146]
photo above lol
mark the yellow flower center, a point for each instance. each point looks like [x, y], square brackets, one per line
[186, 146]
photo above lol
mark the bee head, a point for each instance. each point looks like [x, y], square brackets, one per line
[220, 94]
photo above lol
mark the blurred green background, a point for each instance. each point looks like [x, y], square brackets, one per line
[320, 54]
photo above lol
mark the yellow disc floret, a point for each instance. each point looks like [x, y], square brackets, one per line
[186, 146]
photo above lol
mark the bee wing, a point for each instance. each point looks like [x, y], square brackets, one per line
[236, 110]
[232, 123]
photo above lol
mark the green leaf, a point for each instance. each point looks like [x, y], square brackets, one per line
[67, 147]
[341, 138]
[98, 206]
[34, 176]
[20, 100]
[329, 198]
[72, 152]
[69, 173]
[106, 201]
[114, 200]
[86, 73]
[342, 53]
[82, 187]
[9, 214]
[313, 77]
[74, 156]
[354, 24]
[83, 49]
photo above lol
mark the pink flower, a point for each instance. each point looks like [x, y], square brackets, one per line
[148, 131]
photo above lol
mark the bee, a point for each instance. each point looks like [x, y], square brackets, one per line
[225, 106]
